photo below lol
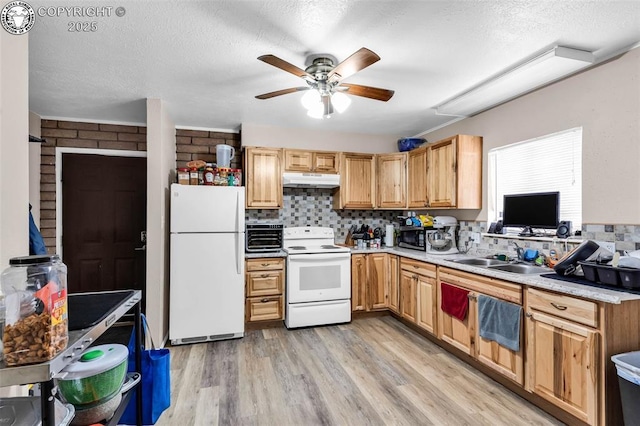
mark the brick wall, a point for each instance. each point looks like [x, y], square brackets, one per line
[201, 145]
[76, 135]
[191, 145]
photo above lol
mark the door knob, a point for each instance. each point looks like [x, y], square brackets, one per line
[143, 248]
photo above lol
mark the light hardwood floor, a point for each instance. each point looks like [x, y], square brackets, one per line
[373, 371]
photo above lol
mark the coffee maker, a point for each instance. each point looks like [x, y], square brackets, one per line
[442, 238]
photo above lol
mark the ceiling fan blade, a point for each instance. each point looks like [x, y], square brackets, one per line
[285, 66]
[367, 91]
[354, 63]
[281, 92]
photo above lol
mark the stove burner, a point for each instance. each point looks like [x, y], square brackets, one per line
[297, 247]
[328, 247]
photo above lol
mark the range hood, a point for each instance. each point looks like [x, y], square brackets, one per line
[310, 180]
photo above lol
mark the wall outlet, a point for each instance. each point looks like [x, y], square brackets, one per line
[475, 237]
[611, 246]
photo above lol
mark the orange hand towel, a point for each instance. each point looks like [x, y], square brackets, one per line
[455, 301]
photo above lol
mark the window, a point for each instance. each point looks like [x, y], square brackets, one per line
[548, 163]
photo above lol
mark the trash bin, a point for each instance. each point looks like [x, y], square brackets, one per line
[628, 367]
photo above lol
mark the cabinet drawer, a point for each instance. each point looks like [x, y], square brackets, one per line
[417, 267]
[265, 264]
[264, 308]
[577, 310]
[264, 283]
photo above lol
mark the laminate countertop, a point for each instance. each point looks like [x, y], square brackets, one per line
[279, 253]
[531, 280]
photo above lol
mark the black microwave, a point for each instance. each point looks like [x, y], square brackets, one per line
[412, 237]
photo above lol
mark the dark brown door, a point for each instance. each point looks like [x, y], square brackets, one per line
[104, 203]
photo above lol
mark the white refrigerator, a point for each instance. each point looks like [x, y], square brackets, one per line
[207, 263]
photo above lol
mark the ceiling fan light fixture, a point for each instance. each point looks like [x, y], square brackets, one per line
[316, 112]
[311, 99]
[340, 102]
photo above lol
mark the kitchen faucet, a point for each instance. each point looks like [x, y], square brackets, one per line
[519, 250]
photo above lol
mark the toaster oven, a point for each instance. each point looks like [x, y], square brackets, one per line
[263, 238]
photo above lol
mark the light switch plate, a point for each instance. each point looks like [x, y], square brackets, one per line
[611, 246]
[475, 236]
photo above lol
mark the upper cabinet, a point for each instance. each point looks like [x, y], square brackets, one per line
[392, 181]
[454, 173]
[263, 178]
[310, 161]
[417, 178]
[357, 182]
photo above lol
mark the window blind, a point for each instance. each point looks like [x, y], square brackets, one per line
[548, 163]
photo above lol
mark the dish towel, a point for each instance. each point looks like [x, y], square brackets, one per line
[454, 301]
[499, 321]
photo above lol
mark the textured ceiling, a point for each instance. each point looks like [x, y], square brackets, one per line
[200, 56]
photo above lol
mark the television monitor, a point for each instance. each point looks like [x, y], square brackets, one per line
[528, 211]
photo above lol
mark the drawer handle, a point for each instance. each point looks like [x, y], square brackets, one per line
[265, 264]
[264, 275]
[528, 315]
[265, 300]
[416, 266]
[559, 307]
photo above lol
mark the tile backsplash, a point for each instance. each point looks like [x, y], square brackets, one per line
[625, 237]
[313, 207]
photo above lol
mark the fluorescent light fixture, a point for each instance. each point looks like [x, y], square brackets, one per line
[523, 78]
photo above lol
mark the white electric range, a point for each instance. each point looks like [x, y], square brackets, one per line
[318, 278]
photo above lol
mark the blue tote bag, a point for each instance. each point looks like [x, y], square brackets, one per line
[155, 384]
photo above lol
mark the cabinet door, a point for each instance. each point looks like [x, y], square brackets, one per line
[507, 362]
[298, 161]
[441, 174]
[408, 295]
[394, 288]
[417, 178]
[358, 282]
[392, 181]
[377, 282]
[325, 162]
[358, 181]
[263, 178]
[426, 303]
[455, 332]
[562, 364]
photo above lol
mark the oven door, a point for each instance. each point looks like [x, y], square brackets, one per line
[318, 277]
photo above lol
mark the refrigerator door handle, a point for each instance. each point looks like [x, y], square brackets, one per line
[239, 211]
[238, 254]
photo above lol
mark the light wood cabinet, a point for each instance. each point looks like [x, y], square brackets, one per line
[417, 178]
[419, 280]
[562, 353]
[392, 181]
[454, 173]
[310, 161]
[465, 335]
[263, 178]
[408, 295]
[369, 282]
[394, 284]
[264, 289]
[357, 182]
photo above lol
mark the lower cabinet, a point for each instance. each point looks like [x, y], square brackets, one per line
[562, 353]
[369, 282]
[465, 335]
[264, 288]
[394, 283]
[418, 293]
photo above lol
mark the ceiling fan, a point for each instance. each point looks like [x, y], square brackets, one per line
[325, 78]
